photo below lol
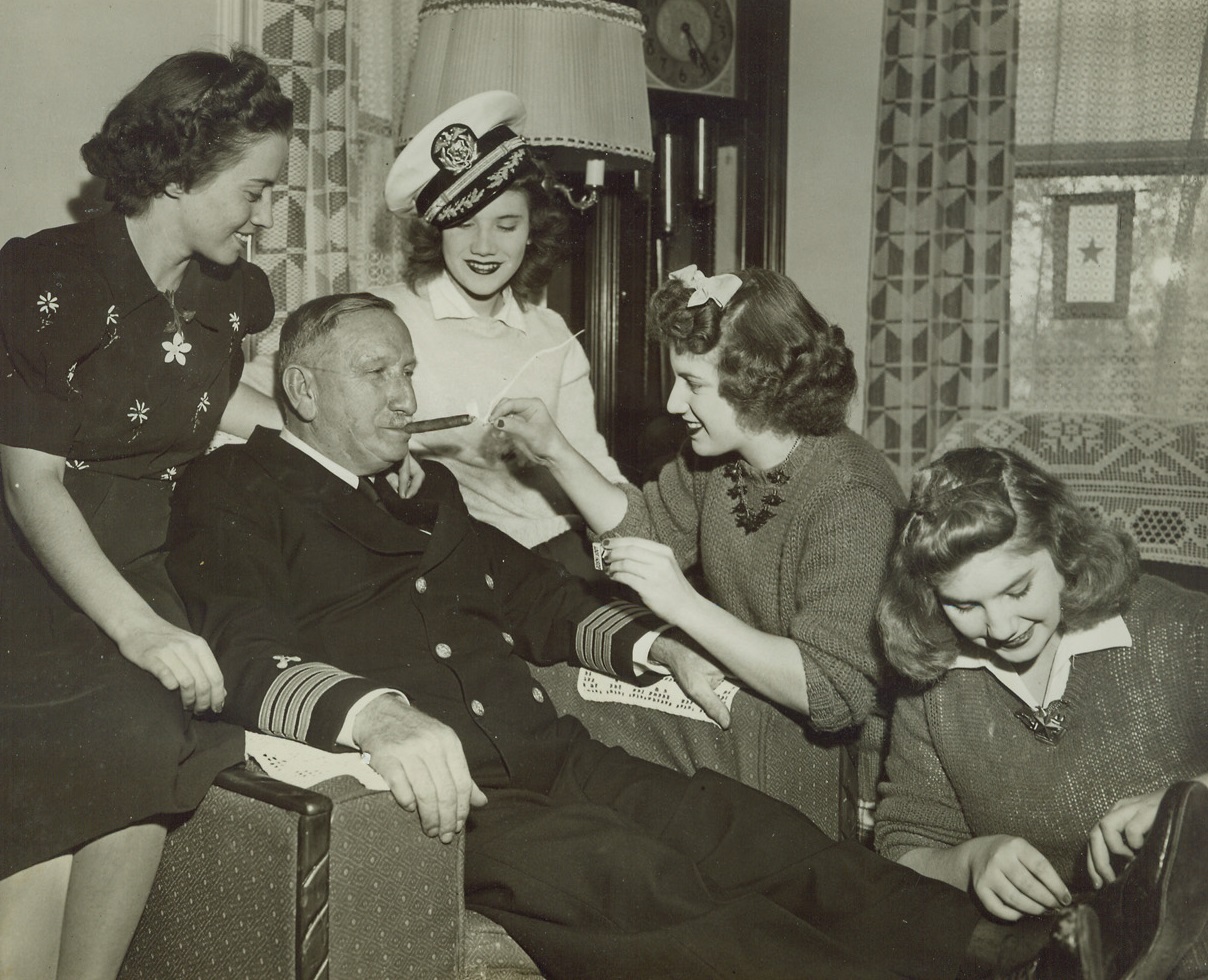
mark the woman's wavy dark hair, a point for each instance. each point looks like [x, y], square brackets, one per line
[191, 117]
[970, 501]
[781, 364]
[549, 240]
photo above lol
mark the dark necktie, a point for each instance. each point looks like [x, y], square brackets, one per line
[418, 513]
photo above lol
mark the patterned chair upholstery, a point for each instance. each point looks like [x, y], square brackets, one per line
[268, 881]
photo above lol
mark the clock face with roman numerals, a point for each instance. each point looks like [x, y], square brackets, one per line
[689, 45]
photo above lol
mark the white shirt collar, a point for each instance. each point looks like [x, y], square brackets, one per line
[344, 474]
[448, 303]
[1107, 635]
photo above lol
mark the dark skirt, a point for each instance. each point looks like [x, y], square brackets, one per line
[91, 743]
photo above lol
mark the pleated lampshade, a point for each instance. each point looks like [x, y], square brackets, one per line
[576, 64]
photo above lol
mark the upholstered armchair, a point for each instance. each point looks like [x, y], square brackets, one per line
[269, 881]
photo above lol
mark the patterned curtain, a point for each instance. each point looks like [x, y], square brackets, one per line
[344, 63]
[939, 299]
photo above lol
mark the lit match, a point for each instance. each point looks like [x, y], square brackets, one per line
[434, 425]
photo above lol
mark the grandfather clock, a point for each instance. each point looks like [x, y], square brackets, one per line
[717, 76]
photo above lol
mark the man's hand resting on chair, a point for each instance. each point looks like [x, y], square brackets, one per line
[423, 762]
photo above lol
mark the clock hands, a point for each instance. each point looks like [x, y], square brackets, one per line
[694, 49]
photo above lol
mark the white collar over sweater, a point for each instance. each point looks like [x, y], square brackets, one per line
[1107, 635]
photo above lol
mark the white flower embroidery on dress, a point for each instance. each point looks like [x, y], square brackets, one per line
[235, 322]
[48, 305]
[71, 374]
[138, 412]
[169, 474]
[176, 348]
[203, 405]
[76, 464]
[111, 327]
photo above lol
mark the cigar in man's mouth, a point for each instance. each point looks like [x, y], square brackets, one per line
[433, 425]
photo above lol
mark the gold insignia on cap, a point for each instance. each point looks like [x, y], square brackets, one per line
[455, 148]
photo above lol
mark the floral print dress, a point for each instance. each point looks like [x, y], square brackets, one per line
[127, 384]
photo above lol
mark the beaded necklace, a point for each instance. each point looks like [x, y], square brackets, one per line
[751, 521]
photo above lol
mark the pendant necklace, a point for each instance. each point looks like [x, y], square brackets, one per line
[179, 317]
[1047, 722]
[751, 521]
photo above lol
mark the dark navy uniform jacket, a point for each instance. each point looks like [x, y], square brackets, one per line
[311, 595]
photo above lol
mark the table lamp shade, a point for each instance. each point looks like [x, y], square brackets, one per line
[576, 64]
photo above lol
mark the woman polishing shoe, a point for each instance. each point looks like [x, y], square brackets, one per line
[1054, 741]
[1158, 906]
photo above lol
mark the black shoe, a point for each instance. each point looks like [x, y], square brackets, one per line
[1156, 908]
[1076, 952]
[1072, 950]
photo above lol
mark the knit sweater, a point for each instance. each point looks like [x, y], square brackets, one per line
[464, 363]
[961, 766]
[811, 573]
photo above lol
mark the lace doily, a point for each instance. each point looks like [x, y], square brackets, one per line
[303, 765]
[1145, 475]
[665, 695]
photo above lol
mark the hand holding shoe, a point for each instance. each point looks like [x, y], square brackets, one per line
[1155, 909]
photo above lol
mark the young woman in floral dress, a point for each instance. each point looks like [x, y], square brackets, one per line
[122, 352]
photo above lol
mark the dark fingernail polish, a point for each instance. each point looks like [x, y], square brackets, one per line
[499, 423]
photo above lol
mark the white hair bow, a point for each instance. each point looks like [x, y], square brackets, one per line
[720, 289]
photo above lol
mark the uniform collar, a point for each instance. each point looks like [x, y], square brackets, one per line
[330, 465]
[448, 303]
[309, 477]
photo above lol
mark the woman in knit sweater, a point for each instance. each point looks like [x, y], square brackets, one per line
[1061, 695]
[787, 514]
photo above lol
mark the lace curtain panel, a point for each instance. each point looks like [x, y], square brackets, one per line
[345, 64]
[1111, 100]
[1110, 83]
[942, 221]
